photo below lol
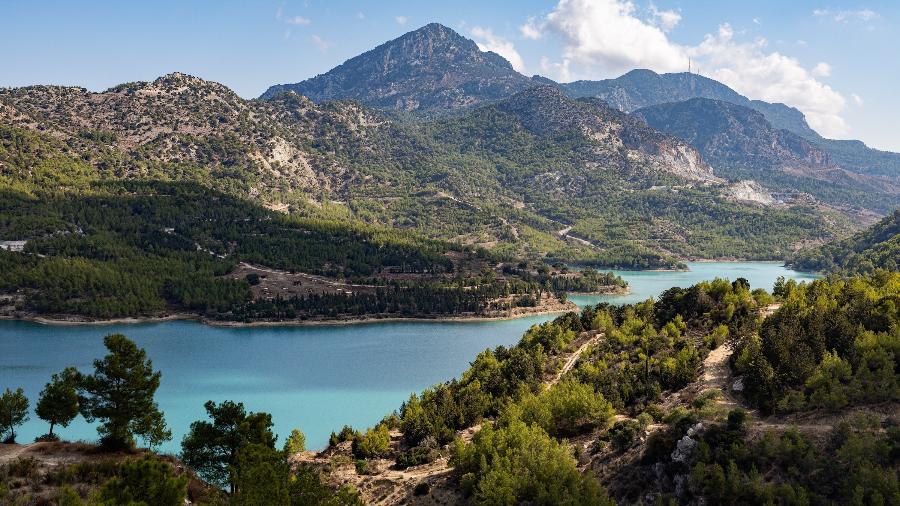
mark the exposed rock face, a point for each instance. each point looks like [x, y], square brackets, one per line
[643, 88]
[750, 191]
[546, 110]
[183, 119]
[430, 70]
[741, 143]
[731, 135]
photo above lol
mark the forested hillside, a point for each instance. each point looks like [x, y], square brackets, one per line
[875, 248]
[645, 398]
[573, 181]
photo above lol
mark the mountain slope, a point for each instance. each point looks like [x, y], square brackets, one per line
[612, 182]
[642, 88]
[742, 144]
[536, 175]
[430, 70]
[875, 248]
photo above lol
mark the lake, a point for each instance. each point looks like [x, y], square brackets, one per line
[314, 378]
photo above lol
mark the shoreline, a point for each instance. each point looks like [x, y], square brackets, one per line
[356, 320]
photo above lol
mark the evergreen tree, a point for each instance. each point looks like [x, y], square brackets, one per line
[58, 403]
[120, 393]
[211, 447]
[13, 412]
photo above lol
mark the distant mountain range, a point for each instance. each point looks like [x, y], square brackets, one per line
[742, 144]
[504, 161]
[434, 71]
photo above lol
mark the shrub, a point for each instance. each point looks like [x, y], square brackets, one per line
[421, 489]
[522, 464]
[623, 434]
[145, 481]
[374, 443]
[416, 456]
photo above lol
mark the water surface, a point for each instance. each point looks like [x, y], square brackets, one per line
[314, 378]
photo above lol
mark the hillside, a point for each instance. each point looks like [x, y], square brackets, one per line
[877, 247]
[606, 178]
[711, 394]
[431, 70]
[643, 88]
[622, 194]
[740, 143]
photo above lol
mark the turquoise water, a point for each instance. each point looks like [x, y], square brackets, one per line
[314, 378]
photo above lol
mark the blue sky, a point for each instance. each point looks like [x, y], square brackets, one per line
[837, 61]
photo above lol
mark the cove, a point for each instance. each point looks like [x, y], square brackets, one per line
[314, 378]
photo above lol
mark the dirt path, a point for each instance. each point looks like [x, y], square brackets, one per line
[13, 451]
[717, 376]
[395, 486]
[572, 359]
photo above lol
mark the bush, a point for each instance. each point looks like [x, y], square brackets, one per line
[346, 434]
[417, 456]
[145, 481]
[522, 464]
[623, 434]
[374, 443]
[736, 419]
[421, 489]
[566, 408]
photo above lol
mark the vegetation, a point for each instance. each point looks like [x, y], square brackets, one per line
[134, 249]
[522, 464]
[59, 403]
[145, 481]
[295, 443]
[857, 466]
[833, 342]
[120, 394]
[212, 447]
[13, 413]
[875, 248]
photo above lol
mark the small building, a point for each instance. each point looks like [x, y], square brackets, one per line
[17, 246]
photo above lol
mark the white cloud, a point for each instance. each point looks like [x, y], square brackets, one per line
[320, 43]
[401, 20]
[821, 69]
[530, 30]
[298, 20]
[360, 15]
[665, 19]
[752, 71]
[844, 16]
[487, 41]
[603, 37]
[857, 99]
[756, 21]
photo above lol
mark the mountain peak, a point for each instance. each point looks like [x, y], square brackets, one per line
[431, 70]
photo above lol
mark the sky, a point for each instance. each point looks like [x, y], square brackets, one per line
[837, 61]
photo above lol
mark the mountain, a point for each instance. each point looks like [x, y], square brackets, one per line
[429, 70]
[607, 180]
[877, 247]
[642, 88]
[536, 175]
[742, 144]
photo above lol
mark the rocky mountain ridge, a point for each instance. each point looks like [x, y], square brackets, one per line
[431, 70]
